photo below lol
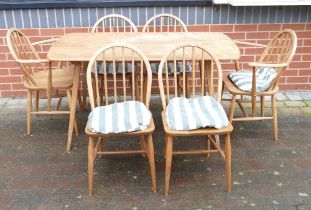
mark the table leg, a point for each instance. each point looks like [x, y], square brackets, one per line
[84, 85]
[73, 104]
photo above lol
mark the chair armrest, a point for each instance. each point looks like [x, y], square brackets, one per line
[33, 61]
[45, 41]
[249, 43]
[272, 65]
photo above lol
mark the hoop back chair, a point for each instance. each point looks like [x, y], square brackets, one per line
[39, 75]
[168, 89]
[114, 23]
[117, 91]
[277, 55]
[164, 23]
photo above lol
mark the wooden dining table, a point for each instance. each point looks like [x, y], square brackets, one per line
[78, 48]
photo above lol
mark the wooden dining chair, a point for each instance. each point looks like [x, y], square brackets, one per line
[263, 79]
[123, 113]
[200, 114]
[167, 23]
[39, 75]
[113, 23]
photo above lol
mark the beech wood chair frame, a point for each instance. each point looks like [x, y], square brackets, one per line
[39, 75]
[167, 23]
[110, 23]
[198, 81]
[277, 54]
[120, 53]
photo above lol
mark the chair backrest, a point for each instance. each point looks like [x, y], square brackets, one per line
[165, 23]
[119, 55]
[281, 49]
[23, 53]
[200, 59]
[114, 23]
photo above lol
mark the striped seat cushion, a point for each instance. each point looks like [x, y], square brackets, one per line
[243, 79]
[109, 68]
[170, 66]
[121, 117]
[189, 114]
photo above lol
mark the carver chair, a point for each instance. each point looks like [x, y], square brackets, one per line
[168, 23]
[263, 79]
[200, 114]
[123, 112]
[39, 75]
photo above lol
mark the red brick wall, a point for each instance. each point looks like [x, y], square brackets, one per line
[297, 77]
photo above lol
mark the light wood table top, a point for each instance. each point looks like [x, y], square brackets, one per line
[81, 46]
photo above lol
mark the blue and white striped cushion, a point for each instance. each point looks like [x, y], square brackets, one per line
[243, 79]
[170, 66]
[109, 68]
[189, 114]
[121, 117]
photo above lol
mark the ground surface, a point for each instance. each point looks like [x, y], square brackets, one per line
[36, 172]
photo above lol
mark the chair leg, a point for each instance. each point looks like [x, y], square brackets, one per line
[59, 102]
[168, 165]
[37, 101]
[262, 105]
[232, 107]
[90, 166]
[29, 103]
[208, 145]
[101, 147]
[275, 117]
[80, 102]
[165, 144]
[228, 161]
[253, 106]
[152, 162]
[143, 145]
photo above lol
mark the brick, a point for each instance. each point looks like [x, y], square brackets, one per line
[299, 65]
[18, 87]
[290, 73]
[257, 35]
[303, 50]
[199, 28]
[297, 79]
[52, 32]
[240, 36]
[307, 42]
[76, 30]
[31, 32]
[246, 27]
[295, 27]
[295, 86]
[221, 28]
[304, 72]
[8, 64]
[4, 72]
[10, 79]
[269, 27]
[303, 34]
[5, 87]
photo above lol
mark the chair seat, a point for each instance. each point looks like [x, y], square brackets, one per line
[109, 68]
[61, 79]
[243, 79]
[234, 90]
[170, 66]
[190, 114]
[121, 117]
